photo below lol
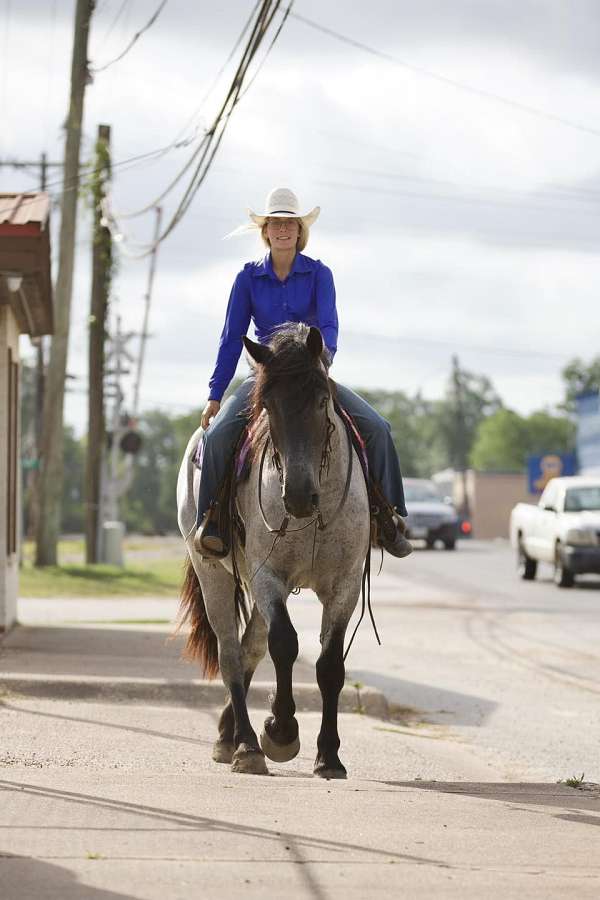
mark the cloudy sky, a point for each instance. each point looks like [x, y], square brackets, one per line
[457, 167]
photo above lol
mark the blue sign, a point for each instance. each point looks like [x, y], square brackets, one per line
[588, 430]
[540, 469]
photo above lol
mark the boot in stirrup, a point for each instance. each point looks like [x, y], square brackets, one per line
[208, 540]
[390, 532]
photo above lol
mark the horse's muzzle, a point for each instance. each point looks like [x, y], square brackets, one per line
[300, 503]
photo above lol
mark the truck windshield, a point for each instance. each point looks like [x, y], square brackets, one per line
[419, 493]
[581, 498]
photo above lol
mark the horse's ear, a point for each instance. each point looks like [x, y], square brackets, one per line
[258, 352]
[314, 342]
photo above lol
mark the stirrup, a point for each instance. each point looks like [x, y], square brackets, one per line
[208, 540]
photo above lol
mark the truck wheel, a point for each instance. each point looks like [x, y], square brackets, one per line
[526, 566]
[450, 544]
[563, 576]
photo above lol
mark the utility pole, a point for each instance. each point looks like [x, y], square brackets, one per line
[101, 274]
[148, 297]
[115, 481]
[460, 447]
[52, 438]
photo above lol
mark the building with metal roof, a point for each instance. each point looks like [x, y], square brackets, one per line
[25, 308]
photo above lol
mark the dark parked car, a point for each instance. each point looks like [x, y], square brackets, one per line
[429, 517]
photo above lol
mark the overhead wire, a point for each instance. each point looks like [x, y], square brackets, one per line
[110, 30]
[443, 79]
[50, 66]
[202, 157]
[216, 78]
[4, 81]
[133, 41]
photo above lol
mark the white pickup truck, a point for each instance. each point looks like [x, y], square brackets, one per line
[563, 529]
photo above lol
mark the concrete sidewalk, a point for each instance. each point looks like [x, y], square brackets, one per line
[108, 791]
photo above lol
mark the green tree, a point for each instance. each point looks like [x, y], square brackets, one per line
[72, 509]
[580, 377]
[149, 506]
[469, 399]
[506, 439]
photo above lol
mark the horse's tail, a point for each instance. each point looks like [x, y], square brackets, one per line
[202, 641]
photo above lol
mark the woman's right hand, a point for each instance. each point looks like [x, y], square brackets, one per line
[209, 412]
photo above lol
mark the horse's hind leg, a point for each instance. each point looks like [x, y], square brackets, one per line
[218, 588]
[254, 645]
[279, 739]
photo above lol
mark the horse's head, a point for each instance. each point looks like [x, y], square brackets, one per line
[293, 389]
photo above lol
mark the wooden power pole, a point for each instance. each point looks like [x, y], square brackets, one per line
[460, 436]
[101, 275]
[52, 437]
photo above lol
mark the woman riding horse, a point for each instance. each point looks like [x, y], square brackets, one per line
[286, 286]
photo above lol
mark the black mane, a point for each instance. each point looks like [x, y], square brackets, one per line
[292, 362]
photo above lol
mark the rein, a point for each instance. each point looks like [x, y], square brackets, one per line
[318, 519]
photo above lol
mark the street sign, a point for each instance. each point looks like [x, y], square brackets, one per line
[540, 469]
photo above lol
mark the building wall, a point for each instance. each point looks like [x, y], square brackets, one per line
[9, 563]
[491, 499]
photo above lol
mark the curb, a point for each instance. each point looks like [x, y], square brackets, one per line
[195, 693]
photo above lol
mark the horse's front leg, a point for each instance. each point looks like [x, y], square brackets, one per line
[337, 611]
[279, 739]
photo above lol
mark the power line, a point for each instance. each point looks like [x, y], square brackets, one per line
[454, 345]
[481, 201]
[5, 61]
[73, 184]
[216, 78]
[134, 39]
[114, 22]
[205, 152]
[443, 79]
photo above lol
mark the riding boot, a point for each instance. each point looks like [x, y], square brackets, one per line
[209, 540]
[389, 530]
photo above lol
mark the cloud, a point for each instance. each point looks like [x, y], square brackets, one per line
[452, 222]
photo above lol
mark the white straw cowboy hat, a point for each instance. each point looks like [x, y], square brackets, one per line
[281, 203]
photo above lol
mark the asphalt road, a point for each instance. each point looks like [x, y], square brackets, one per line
[508, 669]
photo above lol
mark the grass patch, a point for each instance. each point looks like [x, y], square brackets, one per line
[575, 781]
[158, 577]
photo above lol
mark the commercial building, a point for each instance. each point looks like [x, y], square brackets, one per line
[25, 308]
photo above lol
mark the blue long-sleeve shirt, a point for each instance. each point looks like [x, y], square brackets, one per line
[307, 295]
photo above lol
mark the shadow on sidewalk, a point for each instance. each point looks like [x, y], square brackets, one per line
[121, 652]
[25, 877]
[436, 704]
[190, 822]
[586, 797]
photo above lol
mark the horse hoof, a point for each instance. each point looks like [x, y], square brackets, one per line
[279, 752]
[247, 761]
[325, 772]
[223, 752]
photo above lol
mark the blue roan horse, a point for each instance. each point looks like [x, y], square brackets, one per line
[305, 514]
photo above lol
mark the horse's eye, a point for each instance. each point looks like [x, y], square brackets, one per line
[324, 402]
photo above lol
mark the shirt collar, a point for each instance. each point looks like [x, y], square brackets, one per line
[265, 266]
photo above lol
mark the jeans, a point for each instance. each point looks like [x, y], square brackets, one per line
[225, 429]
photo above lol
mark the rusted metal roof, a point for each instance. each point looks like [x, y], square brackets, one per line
[25, 251]
[24, 209]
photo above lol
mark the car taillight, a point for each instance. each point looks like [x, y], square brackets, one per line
[466, 527]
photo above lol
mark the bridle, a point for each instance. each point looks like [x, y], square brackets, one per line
[317, 521]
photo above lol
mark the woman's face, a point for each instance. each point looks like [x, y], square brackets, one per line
[283, 233]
